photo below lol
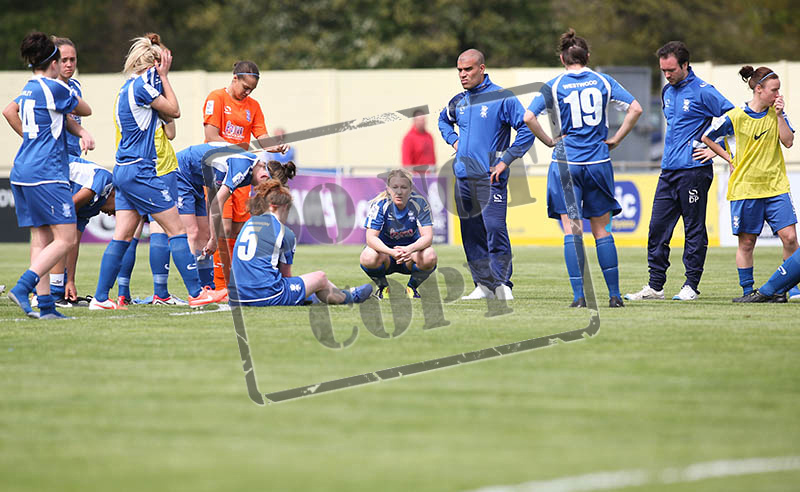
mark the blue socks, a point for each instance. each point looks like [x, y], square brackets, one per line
[110, 266]
[186, 263]
[573, 256]
[418, 276]
[25, 285]
[47, 306]
[348, 296]
[607, 258]
[205, 269]
[125, 270]
[378, 275]
[746, 280]
[784, 278]
[159, 264]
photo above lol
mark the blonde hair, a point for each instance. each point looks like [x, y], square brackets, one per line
[394, 173]
[144, 53]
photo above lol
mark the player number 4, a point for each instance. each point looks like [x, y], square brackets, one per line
[29, 126]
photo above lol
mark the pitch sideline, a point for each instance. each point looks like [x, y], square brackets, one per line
[634, 478]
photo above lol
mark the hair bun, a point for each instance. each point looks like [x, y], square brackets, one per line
[746, 72]
[153, 37]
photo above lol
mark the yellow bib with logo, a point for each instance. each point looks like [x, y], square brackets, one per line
[759, 169]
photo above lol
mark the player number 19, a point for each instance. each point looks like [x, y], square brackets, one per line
[586, 107]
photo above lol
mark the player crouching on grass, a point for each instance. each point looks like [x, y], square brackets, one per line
[786, 276]
[261, 264]
[399, 235]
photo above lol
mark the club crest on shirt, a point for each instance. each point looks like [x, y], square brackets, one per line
[686, 105]
[247, 115]
[484, 111]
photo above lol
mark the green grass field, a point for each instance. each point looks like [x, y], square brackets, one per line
[143, 400]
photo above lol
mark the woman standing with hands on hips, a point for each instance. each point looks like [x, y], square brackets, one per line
[40, 175]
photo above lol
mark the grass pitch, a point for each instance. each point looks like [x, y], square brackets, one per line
[142, 399]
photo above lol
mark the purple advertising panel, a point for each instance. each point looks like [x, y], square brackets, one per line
[332, 210]
[327, 209]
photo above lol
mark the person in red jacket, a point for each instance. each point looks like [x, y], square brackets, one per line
[418, 144]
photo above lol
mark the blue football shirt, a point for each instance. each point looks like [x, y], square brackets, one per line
[398, 227]
[262, 245]
[42, 157]
[578, 101]
[95, 178]
[136, 120]
[73, 141]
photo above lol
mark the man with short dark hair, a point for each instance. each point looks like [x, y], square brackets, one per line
[484, 114]
[689, 105]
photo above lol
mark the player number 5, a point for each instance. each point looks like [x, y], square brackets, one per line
[248, 243]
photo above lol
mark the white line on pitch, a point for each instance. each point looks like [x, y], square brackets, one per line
[632, 478]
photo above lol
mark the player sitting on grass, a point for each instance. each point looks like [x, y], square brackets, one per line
[786, 276]
[399, 235]
[261, 267]
[144, 98]
[231, 171]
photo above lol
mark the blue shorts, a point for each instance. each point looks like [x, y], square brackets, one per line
[191, 198]
[43, 204]
[138, 188]
[292, 293]
[593, 185]
[395, 267]
[82, 223]
[171, 180]
[748, 215]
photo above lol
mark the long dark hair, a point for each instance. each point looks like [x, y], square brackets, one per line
[38, 50]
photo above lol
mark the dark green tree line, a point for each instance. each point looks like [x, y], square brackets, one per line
[279, 34]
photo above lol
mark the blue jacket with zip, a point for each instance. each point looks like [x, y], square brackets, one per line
[689, 106]
[484, 115]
